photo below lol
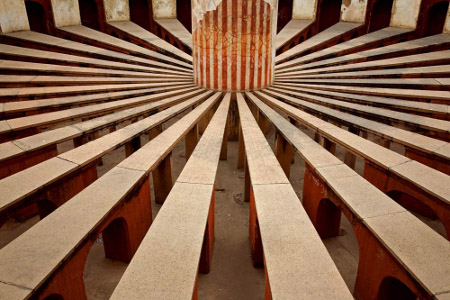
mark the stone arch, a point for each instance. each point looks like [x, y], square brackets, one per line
[116, 240]
[328, 219]
[392, 288]
[434, 18]
[412, 204]
[90, 14]
[37, 16]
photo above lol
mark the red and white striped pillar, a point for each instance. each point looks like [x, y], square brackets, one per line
[234, 43]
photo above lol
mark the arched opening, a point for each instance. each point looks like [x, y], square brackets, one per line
[381, 15]
[89, 13]
[420, 210]
[54, 297]
[13, 226]
[184, 13]
[116, 240]
[46, 207]
[412, 204]
[329, 13]
[140, 13]
[284, 13]
[328, 219]
[435, 18]
[108, 259]
[37, 17]
[339, 238]
[393, 289]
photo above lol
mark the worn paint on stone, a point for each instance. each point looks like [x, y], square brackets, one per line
[13, 16]
[353, 11]
[66, 12]
[200, 7]
[234, 45]
[304, 9]
[405, 13]
[164, 9]
[117, 10]
[447, 23]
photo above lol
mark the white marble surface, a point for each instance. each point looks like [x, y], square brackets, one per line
[117, 10]
[355, 11]
[13, 16]
[447, 23]
[66, 12]
[304, 9]
[164, 9]
[405, 13]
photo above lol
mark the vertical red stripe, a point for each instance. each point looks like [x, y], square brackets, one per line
[253, 57]
[244, 37]
[215, 49]
[225, 43]
[235, 41]
[261, 39]
[208, 32]
[194, 50]
[267, 40]
[200, 42]
[206, 55]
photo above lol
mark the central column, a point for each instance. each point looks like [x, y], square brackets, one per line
[234, 43]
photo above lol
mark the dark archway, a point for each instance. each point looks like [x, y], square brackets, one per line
[329, 13]
[380, 16]
[140, 13]
[393, 289]
[116, 241]
[46, 207]
[435, 18]
[54, 297]
[184, 12]
[89, 13]
[328, 219]
[412, 204]
[37, 17]
[284, 13]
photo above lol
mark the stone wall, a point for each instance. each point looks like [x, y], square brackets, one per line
[234, 45]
